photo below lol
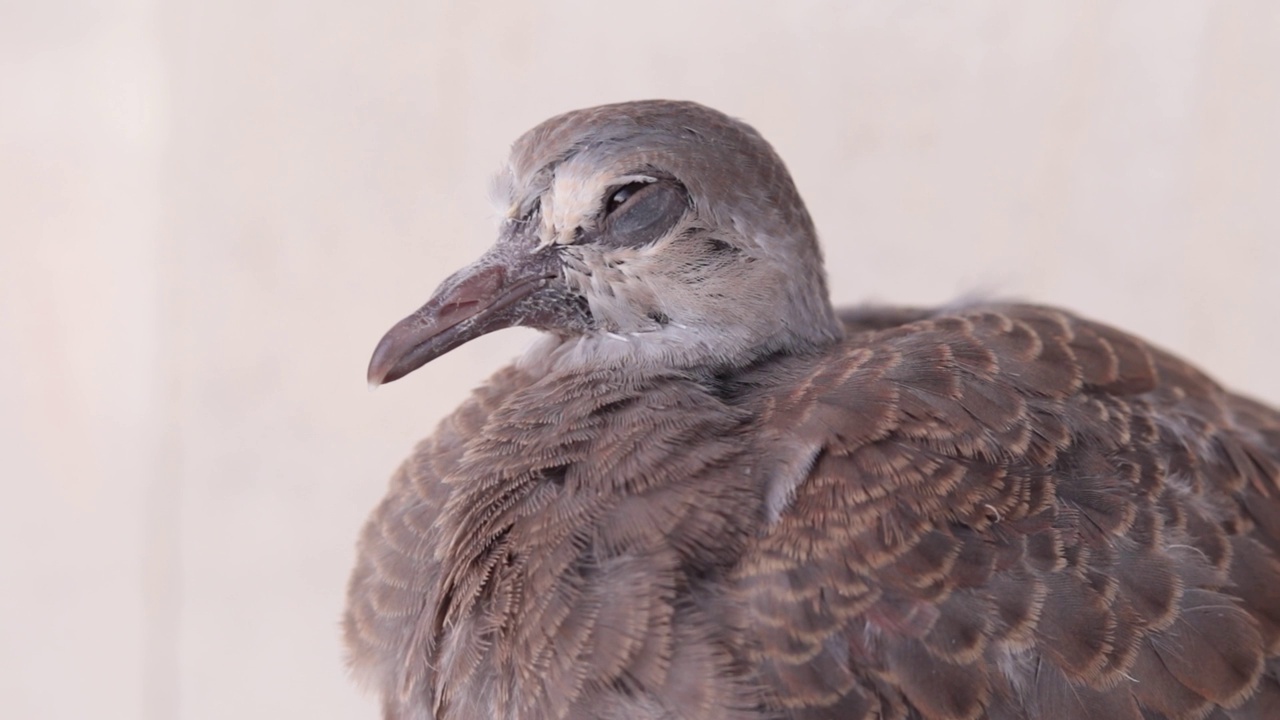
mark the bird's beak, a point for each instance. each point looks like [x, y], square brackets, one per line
[490, 294]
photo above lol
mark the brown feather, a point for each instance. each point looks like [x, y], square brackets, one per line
[985, 511]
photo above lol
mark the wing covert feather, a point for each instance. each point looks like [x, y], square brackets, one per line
[1013, 512]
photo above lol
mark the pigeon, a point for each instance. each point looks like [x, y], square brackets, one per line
[706, 494]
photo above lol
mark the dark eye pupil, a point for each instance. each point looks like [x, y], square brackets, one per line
[623, 194]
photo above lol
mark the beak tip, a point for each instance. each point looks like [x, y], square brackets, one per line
[379, 369]
[384, 360]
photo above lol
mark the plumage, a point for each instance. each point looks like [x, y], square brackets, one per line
[708, 495]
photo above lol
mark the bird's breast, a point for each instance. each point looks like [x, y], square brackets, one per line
[585, 525]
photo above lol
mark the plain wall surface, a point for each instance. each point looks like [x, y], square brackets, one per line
[210, 212]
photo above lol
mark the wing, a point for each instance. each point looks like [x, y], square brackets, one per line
[398, 570]
[1014, 513]
[869, 318]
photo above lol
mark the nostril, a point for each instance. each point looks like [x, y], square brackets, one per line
[457, 307]
[659, 317]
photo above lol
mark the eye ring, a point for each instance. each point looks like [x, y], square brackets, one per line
[620, 196]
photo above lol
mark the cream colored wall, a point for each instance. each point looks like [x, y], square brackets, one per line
[209, 212]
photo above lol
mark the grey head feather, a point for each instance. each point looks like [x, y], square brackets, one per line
[739, 274]
[657, 233]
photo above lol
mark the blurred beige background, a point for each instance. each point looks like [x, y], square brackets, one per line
[209, 212]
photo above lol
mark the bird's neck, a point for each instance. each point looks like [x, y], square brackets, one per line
[688, 350]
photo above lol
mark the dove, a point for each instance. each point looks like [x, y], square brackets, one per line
[706, 494]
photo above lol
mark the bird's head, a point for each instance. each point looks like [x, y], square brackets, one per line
[651, 232]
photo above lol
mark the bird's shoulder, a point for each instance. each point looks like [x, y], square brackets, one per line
[398, 565]
[1012, 510]
[561, 510]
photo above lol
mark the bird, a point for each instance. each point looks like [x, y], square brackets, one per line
[704, 493]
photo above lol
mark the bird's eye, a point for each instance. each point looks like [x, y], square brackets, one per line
[639, 213]
[622, 194]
